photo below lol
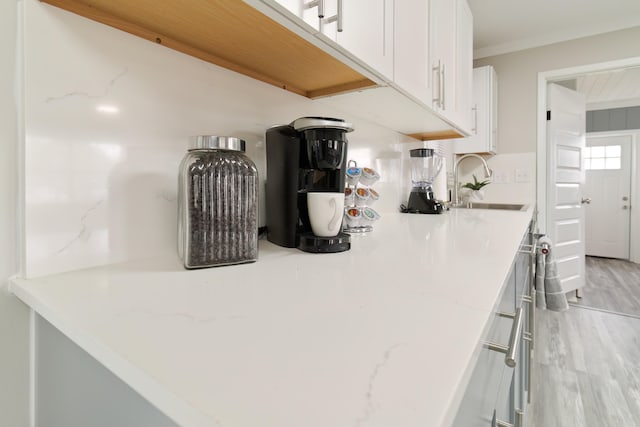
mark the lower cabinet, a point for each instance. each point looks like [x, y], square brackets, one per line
[499, 389]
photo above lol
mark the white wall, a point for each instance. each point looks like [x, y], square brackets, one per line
[518, 73]
[14, 316]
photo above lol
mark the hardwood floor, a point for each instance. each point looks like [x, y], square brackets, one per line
[587, 362]
[611, 284]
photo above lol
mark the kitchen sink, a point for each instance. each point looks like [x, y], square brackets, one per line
[499, 206]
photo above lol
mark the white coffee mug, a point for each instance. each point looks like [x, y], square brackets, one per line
[325, 213]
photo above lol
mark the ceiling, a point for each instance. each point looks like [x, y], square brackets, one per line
[610, 89]
[502, 26]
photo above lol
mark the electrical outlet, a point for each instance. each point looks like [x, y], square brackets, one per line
[522, 175]
[499, 177]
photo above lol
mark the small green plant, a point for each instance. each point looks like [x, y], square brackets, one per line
[476, 185]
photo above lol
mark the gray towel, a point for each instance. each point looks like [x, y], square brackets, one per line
[549, 294]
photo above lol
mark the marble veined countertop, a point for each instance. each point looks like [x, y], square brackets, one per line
[385, 334]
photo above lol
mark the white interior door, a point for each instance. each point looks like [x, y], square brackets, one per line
[565, 175]
[607, 162]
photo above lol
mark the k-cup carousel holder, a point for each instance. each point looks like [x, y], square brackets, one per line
[359, 195]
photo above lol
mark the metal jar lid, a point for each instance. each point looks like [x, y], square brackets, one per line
[212, 142]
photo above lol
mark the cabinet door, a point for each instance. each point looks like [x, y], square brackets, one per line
[442, 37]
[512, 398]
[451, 38]
[484, 119]
[412, 71]
[524, 276]
[367, 31]
[489, 389]
[464, 65]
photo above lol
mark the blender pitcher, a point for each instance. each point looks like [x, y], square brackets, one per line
[425, 166]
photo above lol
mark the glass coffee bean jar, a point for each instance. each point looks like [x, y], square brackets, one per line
[217, 203]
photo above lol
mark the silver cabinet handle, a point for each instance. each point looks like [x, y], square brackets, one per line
[336, 18]
[519, 420]
[532, 289]
[531, 299]
[474, 129]
[586, 200]
[514, 339]
[443, 104]
[531, 251]
[625, 198]
[436, 72]
[528, 336]
[316, 3]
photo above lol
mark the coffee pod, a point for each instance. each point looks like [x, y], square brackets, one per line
[353, 176]
[369, 216]
[362, 196]
[373, 196]
[369, 177]
[349, 197]
[352, 217]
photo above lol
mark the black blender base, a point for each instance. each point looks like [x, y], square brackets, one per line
[422, 203]
[309, 242]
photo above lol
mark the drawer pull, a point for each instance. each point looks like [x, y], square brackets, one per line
[338, 17]
[519, 420]
[514, 339]
[316, 3]
[529, 249]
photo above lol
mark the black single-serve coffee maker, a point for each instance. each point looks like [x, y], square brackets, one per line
[309, 155]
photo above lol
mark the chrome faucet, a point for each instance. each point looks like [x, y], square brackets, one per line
[456, 193]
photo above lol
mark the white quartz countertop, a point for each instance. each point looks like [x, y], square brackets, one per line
[385, 334]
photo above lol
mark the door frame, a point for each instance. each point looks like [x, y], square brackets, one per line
[542, 186]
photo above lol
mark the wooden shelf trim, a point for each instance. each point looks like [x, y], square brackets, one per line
[428, 136]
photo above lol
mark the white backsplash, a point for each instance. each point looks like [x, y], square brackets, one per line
[507, 186]
[107, 119]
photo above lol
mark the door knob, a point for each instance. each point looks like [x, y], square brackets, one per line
[625, 198]
[625, 207]
[586, 200]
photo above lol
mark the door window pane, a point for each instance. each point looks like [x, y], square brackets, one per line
[597, 163]
[602, 157]
[597, 151]
[612, 163]
[613, 151]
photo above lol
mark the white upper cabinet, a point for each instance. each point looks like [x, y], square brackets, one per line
[464, 66]
[484, 127]
[412, 71]
[422, 49]
[442, 30]
[364, 28]
[451, 57]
